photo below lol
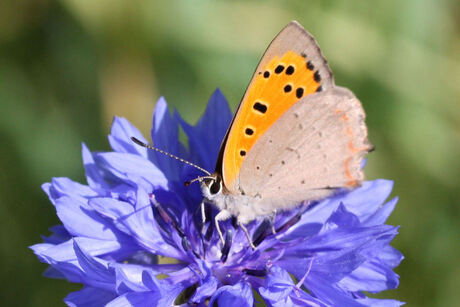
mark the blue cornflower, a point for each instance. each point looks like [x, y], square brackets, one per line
[135, 210]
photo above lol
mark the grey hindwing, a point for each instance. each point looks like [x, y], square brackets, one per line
[315, 147]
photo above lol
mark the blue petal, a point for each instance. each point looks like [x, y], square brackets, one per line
[39, 250]
[331, 265]
[65, 251]
[85, 270]
[129, 278]
[47, 188]
[362, 202]
[89, 297]
[337, 264]
[239, 294]
[165, 136]
[303, 231]
[341, 217]
[80, 220]
[379, 303]
[70, 271]
[207, 135]
[208, 283]
[120, 138]
[341, 238]
[132, 168]
[380, 216]
[325, 291]
[390, 256]
[205, 290]
[112, 209]
[153, 284]
[98, 272]
[52, 272]
[278, 286]
[336, 253]
[137, 299]
[279, 291]
[65, 187]
[158, 292]
[115, 250]
[60, 235]
[94, 176]
[370, 276]
[135, 278]
[306, 300]
[379, 250]
[161, 292]
[146, 231]
[176, 199]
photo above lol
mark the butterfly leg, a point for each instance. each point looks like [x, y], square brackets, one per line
[246, 232]
[221, 216]
[203, 214]
[272, 222]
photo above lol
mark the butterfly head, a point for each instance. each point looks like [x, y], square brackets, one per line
[211, 186]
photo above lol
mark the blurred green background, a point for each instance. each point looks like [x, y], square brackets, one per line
[67, 67]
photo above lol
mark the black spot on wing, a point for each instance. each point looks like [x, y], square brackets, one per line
[249, 131]
[279, 69]
[258, 106]
[299, 92]
[317, 76]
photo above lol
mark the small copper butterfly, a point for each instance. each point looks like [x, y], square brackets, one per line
[295, 137]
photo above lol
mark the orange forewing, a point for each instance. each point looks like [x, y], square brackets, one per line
[282, 82]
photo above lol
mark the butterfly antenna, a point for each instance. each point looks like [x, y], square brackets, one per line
[187, 183]
[138, 142]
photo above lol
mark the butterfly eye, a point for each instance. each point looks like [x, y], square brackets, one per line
[216, 186]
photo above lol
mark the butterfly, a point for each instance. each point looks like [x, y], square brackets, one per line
[295, 137]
